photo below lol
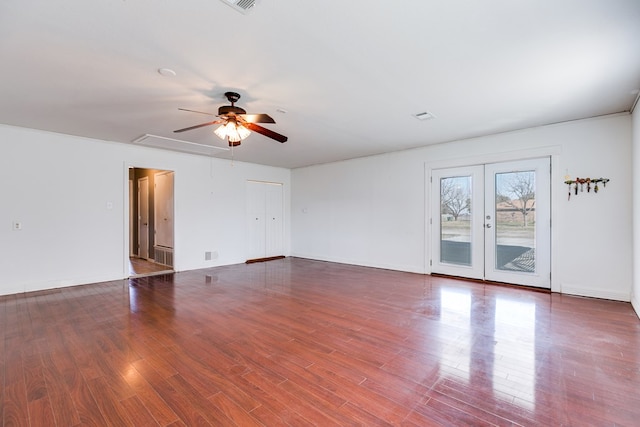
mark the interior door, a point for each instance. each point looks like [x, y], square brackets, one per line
[163, 209]
[143, 218]
[492, 222]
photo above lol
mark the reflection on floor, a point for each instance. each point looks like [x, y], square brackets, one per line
[301, 342]
[139, 267]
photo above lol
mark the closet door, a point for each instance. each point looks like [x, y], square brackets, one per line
[273, 220]
[264, 219]
[256, 214]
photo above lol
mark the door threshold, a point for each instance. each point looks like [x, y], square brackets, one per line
[153, 273]
[271, 258]
[491, 282]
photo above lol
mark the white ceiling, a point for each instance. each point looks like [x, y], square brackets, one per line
[350, 74]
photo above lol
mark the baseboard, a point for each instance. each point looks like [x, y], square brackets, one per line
[55, 284]
[11, 289]
[635, 303]
[592, 293]
[393, 267]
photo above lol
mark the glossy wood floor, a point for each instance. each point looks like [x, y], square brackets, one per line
[141, 267]
[299, 342]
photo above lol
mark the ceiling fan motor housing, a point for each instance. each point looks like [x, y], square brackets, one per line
[231, 110]
[226, 110]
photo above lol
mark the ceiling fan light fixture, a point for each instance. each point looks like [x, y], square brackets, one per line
[243, 132]
[232, 131]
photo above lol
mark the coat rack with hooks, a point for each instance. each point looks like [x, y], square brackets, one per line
[588, 182]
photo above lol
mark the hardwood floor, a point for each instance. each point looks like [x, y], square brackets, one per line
[141, 267]
[300, 342]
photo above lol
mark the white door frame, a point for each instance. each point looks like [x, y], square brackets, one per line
[552, 151]
[476, 236]
[131, 218]
[128, 224]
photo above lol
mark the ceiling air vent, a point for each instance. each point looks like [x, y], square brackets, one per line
[425, 115]
[242, 6]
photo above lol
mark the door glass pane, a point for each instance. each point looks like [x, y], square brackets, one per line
[515, 221]
[455, 220]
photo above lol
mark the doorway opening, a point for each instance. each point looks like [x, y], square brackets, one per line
[151, 222]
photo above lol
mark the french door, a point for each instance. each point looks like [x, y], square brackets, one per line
[492, 222]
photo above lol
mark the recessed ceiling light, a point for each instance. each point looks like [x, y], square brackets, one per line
[167, 72]
[281, 110]
[425, 115]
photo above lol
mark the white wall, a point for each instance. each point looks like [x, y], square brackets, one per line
[59, 187]
[367, 211]
[371, 211]
[636, 211]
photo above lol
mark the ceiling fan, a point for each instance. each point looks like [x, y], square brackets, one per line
[235, 123]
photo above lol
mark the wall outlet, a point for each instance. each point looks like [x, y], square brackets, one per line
[208, 256]
[17, 226]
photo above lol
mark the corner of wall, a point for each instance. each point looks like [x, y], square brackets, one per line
[635, 137]
[579, 290]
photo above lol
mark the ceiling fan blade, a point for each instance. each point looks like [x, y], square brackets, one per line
[257, 118]
[199, 126]
[266, 132]
[194, 111]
